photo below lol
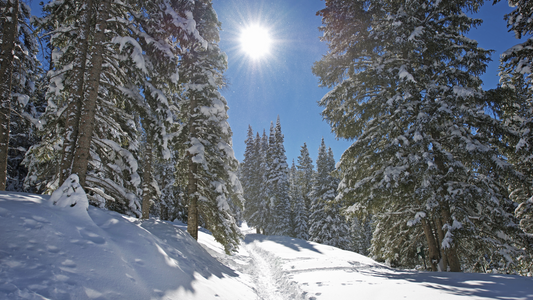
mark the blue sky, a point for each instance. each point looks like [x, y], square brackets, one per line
[283, 84]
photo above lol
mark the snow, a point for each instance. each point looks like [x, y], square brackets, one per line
[47, 252]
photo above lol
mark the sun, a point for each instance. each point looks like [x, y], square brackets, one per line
[255, 41]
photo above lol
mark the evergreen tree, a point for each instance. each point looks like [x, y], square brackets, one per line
[405, 86]
[361, 235]
[305, 174]
[278, 183]
[516, 106]
[326, 224]
[134, 93]
[19, 72]
[299, 212]
[251, 179]
[212, 171]
[262, 216]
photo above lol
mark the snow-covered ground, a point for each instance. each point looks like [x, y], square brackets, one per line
[50, 252]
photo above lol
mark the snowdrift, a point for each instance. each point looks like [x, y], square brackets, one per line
[50, 252]
[53, 252]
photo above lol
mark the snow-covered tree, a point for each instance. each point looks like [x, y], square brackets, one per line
[405, 87]
[137, 91]
[305, 174]
[277, 180]
[361, 235]
[19, 71]
[251, 179]
[326, 223]
[299, 213]
[212, 167]
[262, 213]
[516, 109]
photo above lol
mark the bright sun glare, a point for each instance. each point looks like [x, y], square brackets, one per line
[255, 41]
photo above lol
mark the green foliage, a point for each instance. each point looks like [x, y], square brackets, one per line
[405, 87]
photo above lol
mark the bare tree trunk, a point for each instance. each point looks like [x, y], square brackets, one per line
[192, 218]
[75, 103]
[432, 245]
[88, 109]
[7, 56]
[147, 177]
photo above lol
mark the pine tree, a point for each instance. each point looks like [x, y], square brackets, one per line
[278, 183]
[262, 215]
[305, 174]
[136, 99]
[405, 87]
[22, 88]
[517, 108]
[250, 178]
[299, 212]
[326, 224]
[19, 71]
[360, 235]
[212, 168]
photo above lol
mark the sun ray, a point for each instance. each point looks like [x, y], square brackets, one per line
[255, 41]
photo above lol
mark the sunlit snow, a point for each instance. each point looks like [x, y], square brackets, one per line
[53, 252]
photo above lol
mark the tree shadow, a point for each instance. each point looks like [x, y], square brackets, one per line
[491, 286]
[54, 254]
[292, 243]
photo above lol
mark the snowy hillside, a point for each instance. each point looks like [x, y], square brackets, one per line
[61, 253]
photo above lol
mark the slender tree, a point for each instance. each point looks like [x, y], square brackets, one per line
[278, 182]
[305, 174]
[10, 24]
[326, 224]
[212, 171]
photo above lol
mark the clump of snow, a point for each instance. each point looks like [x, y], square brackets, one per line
[70, 194]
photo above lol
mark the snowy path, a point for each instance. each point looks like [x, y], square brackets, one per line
[263, 275]
[285, 268]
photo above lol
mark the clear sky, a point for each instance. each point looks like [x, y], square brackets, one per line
[282, 83]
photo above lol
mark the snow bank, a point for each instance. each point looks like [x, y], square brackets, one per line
[46, 252]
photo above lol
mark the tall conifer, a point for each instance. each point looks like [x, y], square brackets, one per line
[405, 87]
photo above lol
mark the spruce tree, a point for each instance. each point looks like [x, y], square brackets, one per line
[20, 90]
[305, 174]
[278, 183]
[212, 167]
[326, 224]
[405, 87]
[516, 109]
[251, 178]
[299, 212]
[136, 96]
[263, 212]
[19, 72]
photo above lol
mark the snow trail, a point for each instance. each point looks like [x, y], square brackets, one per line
[263, 275]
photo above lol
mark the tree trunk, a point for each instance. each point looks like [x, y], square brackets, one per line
[75, 102]
[440, 233]
[451, 252]
[7, 56]
[192, 221]
[432, 245]
[88, 110]
[147, 177]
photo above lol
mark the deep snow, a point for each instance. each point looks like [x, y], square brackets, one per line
[50, 252]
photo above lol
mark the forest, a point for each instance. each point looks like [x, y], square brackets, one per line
[126, 95]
